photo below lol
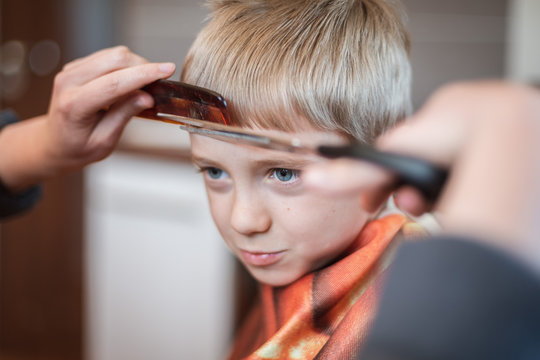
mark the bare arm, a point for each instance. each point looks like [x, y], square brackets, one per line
[93, 99]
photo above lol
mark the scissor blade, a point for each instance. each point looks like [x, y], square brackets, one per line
[238, 135]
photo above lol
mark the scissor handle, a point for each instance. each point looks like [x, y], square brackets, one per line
[428, 178]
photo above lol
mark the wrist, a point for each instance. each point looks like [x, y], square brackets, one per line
[28, 162]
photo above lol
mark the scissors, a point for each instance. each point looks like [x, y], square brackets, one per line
[204, 112]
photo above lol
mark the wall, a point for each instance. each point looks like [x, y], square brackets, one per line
[455, 40]
[523, 57]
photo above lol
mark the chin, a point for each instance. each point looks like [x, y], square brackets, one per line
[272, 277]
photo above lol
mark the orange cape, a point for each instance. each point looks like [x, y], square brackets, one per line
[325, 314]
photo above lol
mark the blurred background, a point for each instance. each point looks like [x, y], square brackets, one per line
[122, 261]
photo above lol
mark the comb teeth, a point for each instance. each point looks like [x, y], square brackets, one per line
[180, 119]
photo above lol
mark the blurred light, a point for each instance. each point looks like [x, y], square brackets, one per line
[44, 57]
[13, 72]
[12, 55]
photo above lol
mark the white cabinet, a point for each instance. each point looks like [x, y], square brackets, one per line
[158, 275]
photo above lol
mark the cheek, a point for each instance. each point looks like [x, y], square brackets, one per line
[220, 211]
[320, 230]
[313, 217]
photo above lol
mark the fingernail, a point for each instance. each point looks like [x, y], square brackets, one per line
[167, 68]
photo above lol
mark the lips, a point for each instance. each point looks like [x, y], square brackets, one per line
[261, 258]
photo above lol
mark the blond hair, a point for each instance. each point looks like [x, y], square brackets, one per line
[342, 65]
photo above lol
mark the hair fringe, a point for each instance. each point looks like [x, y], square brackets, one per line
[337, 65]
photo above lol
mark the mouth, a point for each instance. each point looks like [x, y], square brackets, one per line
[261, 258]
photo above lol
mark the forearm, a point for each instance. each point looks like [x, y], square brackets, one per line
[25, 160]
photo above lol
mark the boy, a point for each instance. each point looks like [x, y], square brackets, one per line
[326, 71]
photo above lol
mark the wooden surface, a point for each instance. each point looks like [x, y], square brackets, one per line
[41, 280]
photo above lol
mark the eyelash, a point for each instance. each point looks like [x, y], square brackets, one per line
[295, 174]
[272, 174]
[206, 171]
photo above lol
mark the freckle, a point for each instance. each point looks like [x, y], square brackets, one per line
[288, 209]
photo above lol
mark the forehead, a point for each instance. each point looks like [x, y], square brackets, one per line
[205, 148]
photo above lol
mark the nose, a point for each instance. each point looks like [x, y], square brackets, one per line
[249, 214]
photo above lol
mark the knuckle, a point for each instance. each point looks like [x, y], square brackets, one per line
[67, 66]
[59, 79]
[121, 48]
[65, 103]
[121, 55]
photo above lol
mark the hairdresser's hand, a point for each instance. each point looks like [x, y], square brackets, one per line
[488, 134]
[92, 100]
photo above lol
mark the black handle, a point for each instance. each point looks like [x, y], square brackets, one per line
[429, 179]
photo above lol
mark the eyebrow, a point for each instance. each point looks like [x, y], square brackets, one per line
[288, 163]
[283, 163]
[201, 160]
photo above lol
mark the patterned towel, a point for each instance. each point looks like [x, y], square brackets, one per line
[327, 313]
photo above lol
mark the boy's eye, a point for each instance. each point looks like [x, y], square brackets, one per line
[285, 175]
[215, 173]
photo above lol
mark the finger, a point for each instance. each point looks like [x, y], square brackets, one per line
[423, 138]
[106, 90]
[107, 132]
[73, 63]
[70, 65]
[345, 176]
[411, 201]
[98, 64]
[435, 133]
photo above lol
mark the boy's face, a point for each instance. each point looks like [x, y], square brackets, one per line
[277, 228]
